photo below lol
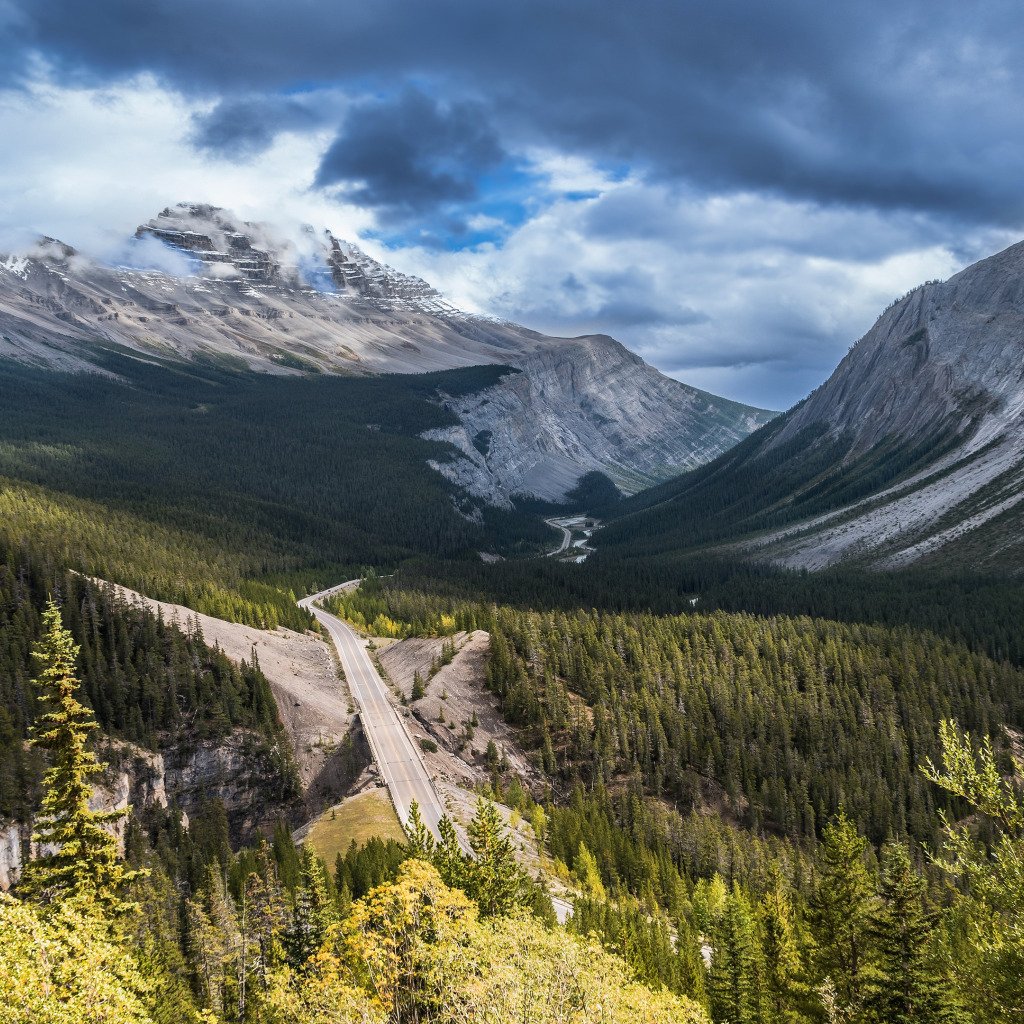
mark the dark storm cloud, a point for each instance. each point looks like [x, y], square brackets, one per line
[243, 127]
[917, 105]
[411, 154]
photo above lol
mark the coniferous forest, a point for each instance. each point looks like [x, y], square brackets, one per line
[774, 797]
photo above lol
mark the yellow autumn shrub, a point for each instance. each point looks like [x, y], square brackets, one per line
[415, 950]
[59, 968]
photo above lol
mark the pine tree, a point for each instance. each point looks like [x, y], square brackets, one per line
[780, 957]
[839, 911]
[265, 913]
[315, 909]
[494, 879]
[84, 868]
[448, 857]
[418, 690]
[733, 981]
[285, 855]
[907, 987]
[589, 875]
[421, 841]
[692, 971]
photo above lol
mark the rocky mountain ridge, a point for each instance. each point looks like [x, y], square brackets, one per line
[250, 298]
[940, 374]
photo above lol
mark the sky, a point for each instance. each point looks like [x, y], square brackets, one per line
[734, 190]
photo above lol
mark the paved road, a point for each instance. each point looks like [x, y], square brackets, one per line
[394, 750]
[566, 536]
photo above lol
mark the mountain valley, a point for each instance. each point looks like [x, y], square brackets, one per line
[634, 758]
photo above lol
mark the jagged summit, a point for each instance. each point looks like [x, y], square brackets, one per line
[249, 296]
[219, 243]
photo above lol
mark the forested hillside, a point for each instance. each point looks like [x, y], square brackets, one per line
[756, 784]
[151, 683]
[224, 490]
[734, 789]
[986, 612]
[778, 722]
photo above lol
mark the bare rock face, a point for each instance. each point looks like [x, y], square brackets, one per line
[587, 404]
[316, 304]
[10, 855]
[942, 367]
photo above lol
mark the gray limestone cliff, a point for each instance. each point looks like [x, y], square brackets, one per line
[587, 404]
[230, 770]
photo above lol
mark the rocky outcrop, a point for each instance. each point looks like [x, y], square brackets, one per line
[231, 770]
[255, 299]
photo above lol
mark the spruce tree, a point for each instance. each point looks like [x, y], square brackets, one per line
[839, 911]
[83, 867]
[494, 880]
[907, 987]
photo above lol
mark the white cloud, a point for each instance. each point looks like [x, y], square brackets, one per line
[91, 164]
[754, 297]
[746, 295]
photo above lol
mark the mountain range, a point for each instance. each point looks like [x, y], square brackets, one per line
[256, 300]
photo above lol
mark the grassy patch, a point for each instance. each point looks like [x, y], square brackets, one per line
[359, 818]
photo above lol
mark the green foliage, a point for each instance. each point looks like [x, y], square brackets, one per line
[840, 911]
[63, 968]
[162, 561]
[733, 980]
[364, 868]
[780, 970]
[315, 909]
[906, 987]
[493, 879]
[987, 960]
[421, 839]
[645, 943]
[791, 719]
[381, 611]
[984, 611]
